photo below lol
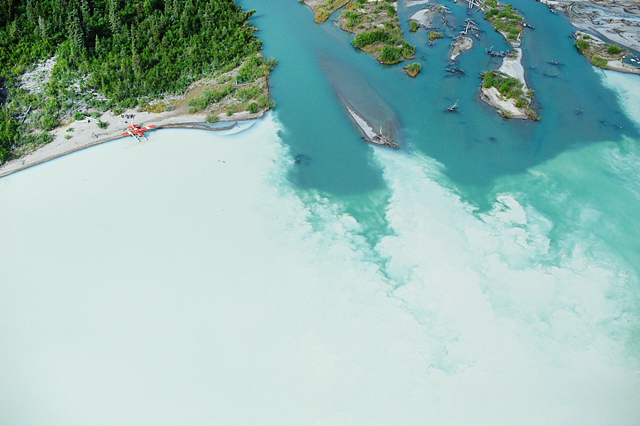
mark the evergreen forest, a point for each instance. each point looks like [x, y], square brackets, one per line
[109, 54]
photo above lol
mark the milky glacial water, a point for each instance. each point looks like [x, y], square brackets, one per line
[148, 285]
[206, 278]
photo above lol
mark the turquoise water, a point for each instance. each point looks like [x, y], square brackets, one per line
[206, 278]
[476, 145]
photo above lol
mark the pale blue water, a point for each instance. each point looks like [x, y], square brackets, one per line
[205, 278]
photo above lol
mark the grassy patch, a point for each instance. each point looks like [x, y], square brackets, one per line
[388, 45]
[324, 10]
[613, 49]
[505, 20]
[599, 61]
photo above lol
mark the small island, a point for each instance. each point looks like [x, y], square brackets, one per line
[413, 69]
[506, 89]
[460, 45]
[375, 26]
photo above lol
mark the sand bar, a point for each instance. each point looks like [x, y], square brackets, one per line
[86, 133]
[416, 2]
[460, 45]
[512, 66]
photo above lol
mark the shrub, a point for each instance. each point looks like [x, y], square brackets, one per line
[44, 138]
[192, 110]
[78, 116]
[599, 61]
[613, 49]
[247, 93]
[413, 26]
[491, 13]
[391, 11]
[370, 37]
[253, 108]
[390, 55]
[413, 69]
[265, 102]
[48, 122]
[211, 118]
[353, 18]
[271, 62]
[102, 124]
[252, 69]
[408, 50]
[582, 45]
[433, 35]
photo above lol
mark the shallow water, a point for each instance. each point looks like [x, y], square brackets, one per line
[207, 278]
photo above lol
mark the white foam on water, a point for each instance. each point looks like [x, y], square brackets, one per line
[183, 281]
[483, 288]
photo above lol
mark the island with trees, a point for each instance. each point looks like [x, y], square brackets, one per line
[506, 88]
[374, 24]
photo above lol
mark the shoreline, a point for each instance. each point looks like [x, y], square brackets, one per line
[87, 134]
[616, 21]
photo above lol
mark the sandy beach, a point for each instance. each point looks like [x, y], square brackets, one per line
[86, 133]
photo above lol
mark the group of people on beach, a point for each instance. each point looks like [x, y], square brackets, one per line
[127, 116]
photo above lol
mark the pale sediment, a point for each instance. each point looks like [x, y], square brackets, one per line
[622, 67]
[86, 133]
[367, 131]
[618, 21]
[460, 45]
[512, 66]
[416, 2]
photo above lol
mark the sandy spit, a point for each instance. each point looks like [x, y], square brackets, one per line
[512, 66]
[86, 133]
